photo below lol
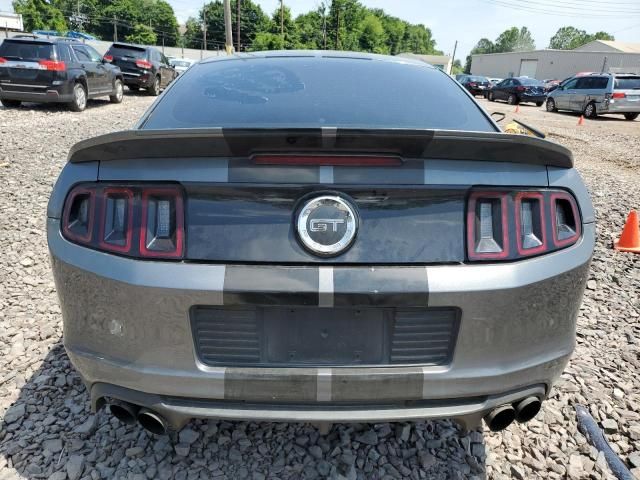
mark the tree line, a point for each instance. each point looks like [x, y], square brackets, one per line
[517, 39]
[335, 24]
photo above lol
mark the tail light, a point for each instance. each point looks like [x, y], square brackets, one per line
[619, 95]
[473, 84]
[521, 88]
[510, 225]
[132, 220]
[52, 65]
[108, 58]
[3, 60]
[144, 64]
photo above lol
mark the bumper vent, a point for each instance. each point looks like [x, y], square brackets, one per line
[421, 338]
[308, 337]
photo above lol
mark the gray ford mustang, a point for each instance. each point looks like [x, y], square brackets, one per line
[321, 237]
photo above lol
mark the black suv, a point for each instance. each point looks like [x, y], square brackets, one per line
[55, 70]
[142, 67]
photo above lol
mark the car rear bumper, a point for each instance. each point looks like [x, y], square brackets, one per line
[44, 94]
[128, 332]
[533, 98]
[619, 107]
[142, 80]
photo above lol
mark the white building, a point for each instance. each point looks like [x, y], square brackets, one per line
[596, 56]
[443, 62]
[10, 22]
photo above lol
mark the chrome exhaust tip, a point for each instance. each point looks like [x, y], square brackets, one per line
[527, 408]
[500, 418]
[124, 411]
[152, 422]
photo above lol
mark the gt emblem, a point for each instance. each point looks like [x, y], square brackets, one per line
[327, 225]
[321, 224]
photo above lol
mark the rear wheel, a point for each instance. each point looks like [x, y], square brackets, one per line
[11, 103]
[512, 99]
[79, 102]
[155, 88]
[490, 97]
[118, 91]
[631, 116]
[539, 104]
[590, 110]
[551, 105]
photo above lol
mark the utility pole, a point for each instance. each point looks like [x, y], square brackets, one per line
[237, 25]
[324, 25]
[282, 18]
[163, 43]
[115, 28]
[453, 57]
[204, 26]
[227, 27]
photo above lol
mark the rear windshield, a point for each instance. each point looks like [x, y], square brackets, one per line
[180, 63]
[13, 50]
[124, 51]
[627, 83]
[477, 79]
[289, 92]
[530, 81]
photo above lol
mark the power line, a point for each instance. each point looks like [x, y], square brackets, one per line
[504, 3]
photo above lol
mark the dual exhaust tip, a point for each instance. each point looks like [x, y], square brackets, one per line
[501, 417]
[497, 419]
[148, 419]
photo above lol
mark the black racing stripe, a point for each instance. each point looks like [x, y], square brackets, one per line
[410, 173]
[245, 171]
[270, 384]
[376, 383]
[257, 285]
[380, 286]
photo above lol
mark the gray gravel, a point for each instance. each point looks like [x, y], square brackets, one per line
[47, 430]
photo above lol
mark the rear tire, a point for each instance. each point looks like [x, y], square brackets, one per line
[11, 103]
[79, 102]
[631, 116]
[551, 105]
[512, 99]
[490, 97]
[590, 110]
[539, 104]
[118, 91]
[154, 89]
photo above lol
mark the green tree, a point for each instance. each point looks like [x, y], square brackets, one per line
[276, 25]
[515, 40]
[40, 15]
[418, 39]
[310, 29]
[159, 15]
[394, 28]
[484, 45]
[252, 21]
[343, 24]
[143, 35]
[193, 35]
[268, 41]
[568, 38]
[457, 67]
[373, 38]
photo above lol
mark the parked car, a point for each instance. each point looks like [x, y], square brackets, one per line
[495, 80]
[550, 84]
[460, 76]
[475, 84]
[142, 67]
[176, 304]
[80, 35]
[181, 64]
[597, 94]
[55, 70]
[518, 89]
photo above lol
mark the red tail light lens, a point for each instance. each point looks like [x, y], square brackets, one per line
[145, 64]
[132, 220]
[3, 60]
[52, 65]
[511, 225]
[108, 58]
[619, 95]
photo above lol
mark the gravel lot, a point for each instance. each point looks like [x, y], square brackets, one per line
[47, 430]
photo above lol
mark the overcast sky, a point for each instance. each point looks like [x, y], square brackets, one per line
[469, 20]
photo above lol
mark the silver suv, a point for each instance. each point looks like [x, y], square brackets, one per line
[597, 94]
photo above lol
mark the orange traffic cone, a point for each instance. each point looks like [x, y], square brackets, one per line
[581, 120]
[630, 238]
[517, 110]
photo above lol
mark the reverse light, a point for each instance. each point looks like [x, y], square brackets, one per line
[52, 65]
[144, 64]
[132, 220]
[510, 225]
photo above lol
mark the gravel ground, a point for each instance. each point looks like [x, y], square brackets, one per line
[47, 430]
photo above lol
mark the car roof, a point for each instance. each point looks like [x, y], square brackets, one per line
[52, 41]
[317, 54]
[126, 45]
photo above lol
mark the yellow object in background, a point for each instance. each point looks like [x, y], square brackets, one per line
[513, 127]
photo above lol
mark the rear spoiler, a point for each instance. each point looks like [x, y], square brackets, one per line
[240, 142]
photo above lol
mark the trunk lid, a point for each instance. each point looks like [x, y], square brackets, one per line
[20, 64]
[125, 57]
